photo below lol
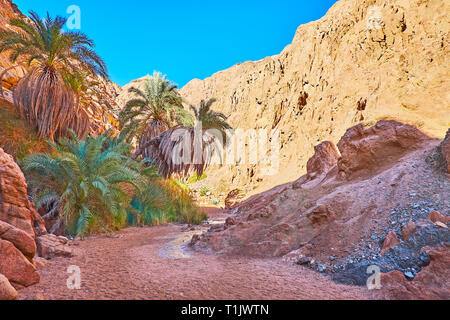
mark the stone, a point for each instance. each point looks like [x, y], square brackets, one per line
[440, 224]
[321, 215]
[304, 260]
[389, 242]
[7, 291]
[445, 151]
[232, 198]
[325, 157]
[408, 230]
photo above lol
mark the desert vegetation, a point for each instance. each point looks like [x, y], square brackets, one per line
[48, 97]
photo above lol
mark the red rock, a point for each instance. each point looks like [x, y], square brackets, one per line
[325, 157]
[15, 207]
[389, 242]
[232, 198]
[7, 291]
[19, 238]
[16, 267]
[445, 151]
[408, 230]
[368, 150]
[430, 283]
[436, 216]
[321, 215]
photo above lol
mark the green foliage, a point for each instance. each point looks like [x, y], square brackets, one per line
[165, 201]
[88, 180]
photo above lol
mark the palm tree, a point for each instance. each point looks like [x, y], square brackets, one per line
[209, 118]
[166, 149]
[153, 111]
[43, 97]
[86, 181]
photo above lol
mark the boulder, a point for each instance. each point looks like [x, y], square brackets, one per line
[16, 267]
[19, 224]
[436, 216]
[365, 151]
[430, 283]
[325, 157]
[51, 246]
[7, 291]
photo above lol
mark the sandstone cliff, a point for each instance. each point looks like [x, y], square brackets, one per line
[365, 61]
[103, 110]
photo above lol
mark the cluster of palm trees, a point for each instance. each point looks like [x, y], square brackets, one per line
[90, 181]
[59, 64]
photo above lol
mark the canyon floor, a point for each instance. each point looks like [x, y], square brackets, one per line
[156, 263]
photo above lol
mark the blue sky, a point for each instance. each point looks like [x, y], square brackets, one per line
[184, 39]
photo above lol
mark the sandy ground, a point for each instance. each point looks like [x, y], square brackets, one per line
[155, 263]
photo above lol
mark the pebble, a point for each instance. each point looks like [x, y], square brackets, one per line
[409, 275]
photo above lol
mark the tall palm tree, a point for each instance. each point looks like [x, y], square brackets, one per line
[85, 181]
[166, 149]
[43, 97]
[156, 107]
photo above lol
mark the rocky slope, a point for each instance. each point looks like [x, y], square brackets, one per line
[364, 61]
[24, 240]
[382, 201]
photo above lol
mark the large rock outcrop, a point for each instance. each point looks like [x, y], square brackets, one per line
[19, 226]
[365, 61]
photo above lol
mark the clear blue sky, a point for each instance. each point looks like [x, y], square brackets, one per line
[184, 39]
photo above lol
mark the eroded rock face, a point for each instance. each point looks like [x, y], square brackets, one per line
[366, 150]
[363, 61]
[342, 226]
[445, 151]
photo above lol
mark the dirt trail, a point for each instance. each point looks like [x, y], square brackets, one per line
[155, 263]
